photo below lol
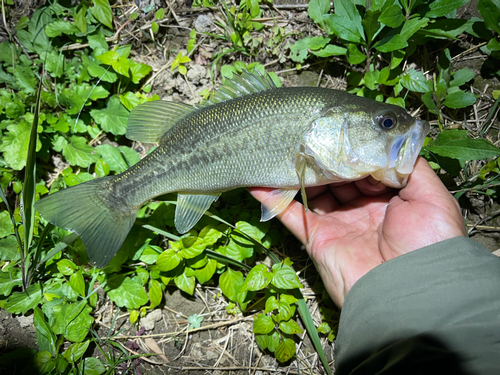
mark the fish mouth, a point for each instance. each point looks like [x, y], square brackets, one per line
[403, 154]
[405, 148]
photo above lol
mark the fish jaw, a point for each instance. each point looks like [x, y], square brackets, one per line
[402, 154]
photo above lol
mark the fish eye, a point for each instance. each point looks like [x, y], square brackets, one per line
[387, 121]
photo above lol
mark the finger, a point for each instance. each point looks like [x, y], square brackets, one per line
[345, 193]
[371, 187]
[425, 187]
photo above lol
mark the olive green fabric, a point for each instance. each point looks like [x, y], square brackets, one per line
[435, 310]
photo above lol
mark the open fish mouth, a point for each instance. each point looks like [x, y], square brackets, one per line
[405, 149]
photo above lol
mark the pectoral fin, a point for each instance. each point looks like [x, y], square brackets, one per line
[190, 209]
[278, 200]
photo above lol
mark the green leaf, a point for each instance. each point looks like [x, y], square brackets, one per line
[155, 27]
[185, 283]
[285, 350]
[343, 27]
[317, 42]
[15, 144]
[22, 302]
[396, 101]
[317, 8]
[299, 50]
[439, 8]
[155, 293]
[462, 76]
[230, 283]
[113, 118]
[76, 351]
[257, 279]
[77, 283]
[79, 19]
[160, 13]
[205, 273]
[456, 144]
[392, 15]
[284, 277]
[43, 362]
[191, 247]
[348, 10]
[9, 280]
[371, 25]
[290, 327]
[330, 50]
[72, 320]
[9, 250]
[459, 99]
[262, 324]
[391, 43]
[59, 27]
[126, 292]
[415, 81]
[92, 366]
[237, 249]
[102, 12]
[139, 71]
[168, 260]
[46, 339]
[490, 11]
[324, 328]
[209, 235]
[76, 151]
[66, 267]
[119, 159]
[129, 100]
[195, 321]
[411, 26]
[354, 55]
[6, 226]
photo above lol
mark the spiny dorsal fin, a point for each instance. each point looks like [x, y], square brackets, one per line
[244, 84]
[149, 121]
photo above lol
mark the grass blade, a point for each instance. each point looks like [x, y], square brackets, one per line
[28, 193]
[307, 319]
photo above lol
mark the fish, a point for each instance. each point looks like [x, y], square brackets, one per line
[248, 133]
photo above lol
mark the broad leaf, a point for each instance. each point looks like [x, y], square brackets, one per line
[126, 292]
[102, 12]
[113, 118]
[22, 302]
[262, 324]
[456, 144]
[285, 350]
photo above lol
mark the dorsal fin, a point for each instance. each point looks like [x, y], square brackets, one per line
[149, 121]
[244, 84]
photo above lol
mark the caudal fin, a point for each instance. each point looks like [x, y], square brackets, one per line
[85, 210]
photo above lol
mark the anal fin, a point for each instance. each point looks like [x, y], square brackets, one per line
[278, 200]
[190, 209]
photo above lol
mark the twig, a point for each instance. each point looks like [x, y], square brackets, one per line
[211, 326]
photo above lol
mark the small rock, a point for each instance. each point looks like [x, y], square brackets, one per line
[148, 322]
[195, 73]
[203, 24]
[25, 321]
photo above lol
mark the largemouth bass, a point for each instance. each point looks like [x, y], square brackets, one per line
[250, 133]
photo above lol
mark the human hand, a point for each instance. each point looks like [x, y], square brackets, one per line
[351, 228]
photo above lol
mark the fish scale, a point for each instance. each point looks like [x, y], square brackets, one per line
[249, 133]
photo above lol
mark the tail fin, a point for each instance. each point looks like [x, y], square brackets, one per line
[85, 210]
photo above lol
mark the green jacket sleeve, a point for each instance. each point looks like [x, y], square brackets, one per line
[435, 310]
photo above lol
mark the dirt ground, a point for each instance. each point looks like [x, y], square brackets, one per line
[227, 346]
